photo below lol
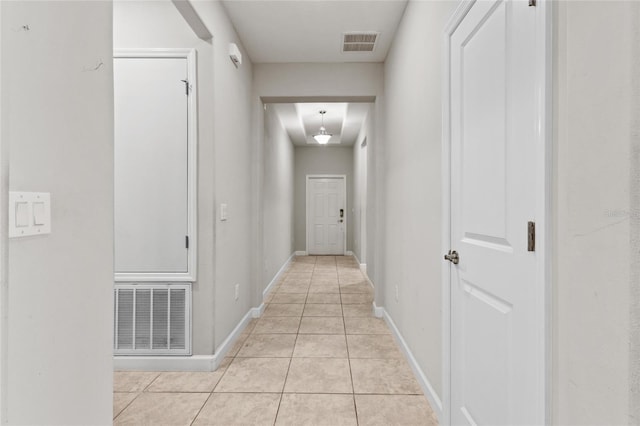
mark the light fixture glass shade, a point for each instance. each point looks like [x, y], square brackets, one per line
[323, 137]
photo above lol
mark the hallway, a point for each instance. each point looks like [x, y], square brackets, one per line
[317, 356]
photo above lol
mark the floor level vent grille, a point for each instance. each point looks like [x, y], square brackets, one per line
[152, 319]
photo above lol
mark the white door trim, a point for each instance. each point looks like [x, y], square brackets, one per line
[192, 171]
[344, 203]
[4, 268]
[543, 205]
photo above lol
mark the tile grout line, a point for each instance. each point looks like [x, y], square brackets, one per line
[205, 403]
[137, 396]
[150, 383]
[218, 382]
[353, 393]
[345, 272]
[127, 406]
[291, 358]
[211, 394]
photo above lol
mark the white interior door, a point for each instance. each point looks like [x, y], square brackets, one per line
[497, 363]
[326, 215]
[151, 165]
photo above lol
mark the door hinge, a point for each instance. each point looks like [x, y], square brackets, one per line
[186, 241]
[187, 86]
[531, 234]
[532, 3]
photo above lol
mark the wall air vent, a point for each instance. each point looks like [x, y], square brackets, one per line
[152, 319]
[359, 41]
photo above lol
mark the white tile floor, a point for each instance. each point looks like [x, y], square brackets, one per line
[316, 357]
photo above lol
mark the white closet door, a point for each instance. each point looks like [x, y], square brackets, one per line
[497, 356]
[151, 165]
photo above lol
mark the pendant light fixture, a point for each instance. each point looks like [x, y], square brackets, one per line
[322, 137]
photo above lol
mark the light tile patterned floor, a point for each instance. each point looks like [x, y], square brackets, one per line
[316, 357]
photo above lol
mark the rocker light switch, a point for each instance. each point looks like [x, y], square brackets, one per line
[39, 215]
[29, 214]
[22, 214]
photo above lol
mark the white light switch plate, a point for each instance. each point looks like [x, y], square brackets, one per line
[223, 212]
[29, 214]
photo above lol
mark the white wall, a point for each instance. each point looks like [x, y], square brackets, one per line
[316, 161]
[596, 298]
[411, 219]
[158, 24]
[359, 221]
[374, 228]
[277, 196]
[634, 293]
[57, 117]
[234, 175]
[302, 82]
[225, 159]
[4, 253]
[326, 80]
[596, 308]
[318, 82]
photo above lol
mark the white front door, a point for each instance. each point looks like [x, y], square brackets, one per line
[497, 365]
[151, 165]
[326, 215]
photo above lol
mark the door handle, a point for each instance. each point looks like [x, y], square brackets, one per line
[452, 257]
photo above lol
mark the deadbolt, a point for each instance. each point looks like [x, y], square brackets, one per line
[452, 257]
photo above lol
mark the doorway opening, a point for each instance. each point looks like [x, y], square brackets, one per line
[292, 153]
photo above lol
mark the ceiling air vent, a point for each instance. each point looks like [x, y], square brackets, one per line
[359, 42]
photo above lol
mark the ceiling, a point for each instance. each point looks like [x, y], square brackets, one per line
[312, 31]
[278, 31]
[342, 120]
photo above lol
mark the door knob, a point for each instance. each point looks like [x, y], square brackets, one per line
[452, 257]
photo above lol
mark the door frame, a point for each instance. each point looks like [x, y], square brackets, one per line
[192, 166]
[544, 137]
[344, 203]
[4, 263]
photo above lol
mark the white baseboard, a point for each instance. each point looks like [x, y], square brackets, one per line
[165, 363]
[363, 269]
[228, 343]
[378, 311]
[196, 362]
[277, 277]
[368, 280]
[257, 312]
[186, 363]
[427, 388]
[301, 253]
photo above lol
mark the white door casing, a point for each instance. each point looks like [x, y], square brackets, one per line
[4, 262]
[155, 165]
[326, 214]
[496, 181]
